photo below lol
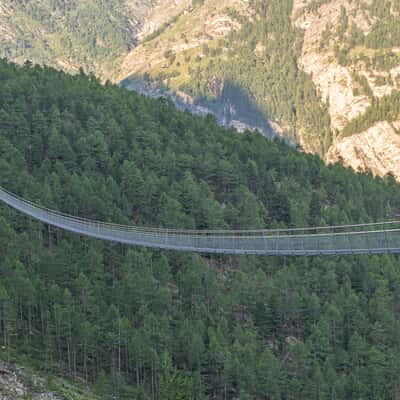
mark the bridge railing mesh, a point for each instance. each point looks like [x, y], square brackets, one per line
[380, 237]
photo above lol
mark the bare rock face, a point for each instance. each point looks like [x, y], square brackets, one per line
[376, 150]
[336, 88]
[13, 385]
[137, 13]
[334, 81]
[185, 102]
[10, 385]
[17, 383]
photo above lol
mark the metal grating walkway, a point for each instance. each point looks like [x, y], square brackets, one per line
[374, 238]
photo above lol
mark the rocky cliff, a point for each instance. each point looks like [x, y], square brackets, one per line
[348, 76]
[178, 37]
[376, 150]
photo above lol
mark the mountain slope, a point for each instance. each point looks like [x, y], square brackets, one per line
[92, 34]
[141, 324]
[311, 71]
[351, 51]
[184, 47]
[245, 72]
[312, 66]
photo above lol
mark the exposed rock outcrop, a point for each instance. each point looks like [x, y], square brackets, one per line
[162, 12]
[13, 386]
[22, 383]
[335, 82]
[376, 150]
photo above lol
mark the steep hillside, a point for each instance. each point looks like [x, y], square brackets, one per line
[239, 60]
[312, 71]
[311, 66]
[351, 51]
[166, 60]
[92, 34]
[191, 28]
[141, 324]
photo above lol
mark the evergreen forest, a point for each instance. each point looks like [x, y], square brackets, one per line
[152, 325]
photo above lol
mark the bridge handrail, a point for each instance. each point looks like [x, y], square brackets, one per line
[299, 241]
[208, 232]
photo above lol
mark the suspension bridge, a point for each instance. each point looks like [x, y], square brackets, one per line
[374, 238]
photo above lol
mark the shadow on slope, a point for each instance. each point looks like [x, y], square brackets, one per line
[232, 107]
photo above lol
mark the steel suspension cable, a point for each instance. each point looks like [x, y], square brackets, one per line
[371, 238]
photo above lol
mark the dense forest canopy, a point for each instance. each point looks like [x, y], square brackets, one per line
[148, 324]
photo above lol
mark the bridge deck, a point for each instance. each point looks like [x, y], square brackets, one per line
[350, 239]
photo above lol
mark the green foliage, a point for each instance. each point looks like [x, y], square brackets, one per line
[141, 324]
[267, 85]
[386, 108]
[363, 82]
[314, 5]
[257, 84]
[385, 33]
[161, 29]
[93, 34]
